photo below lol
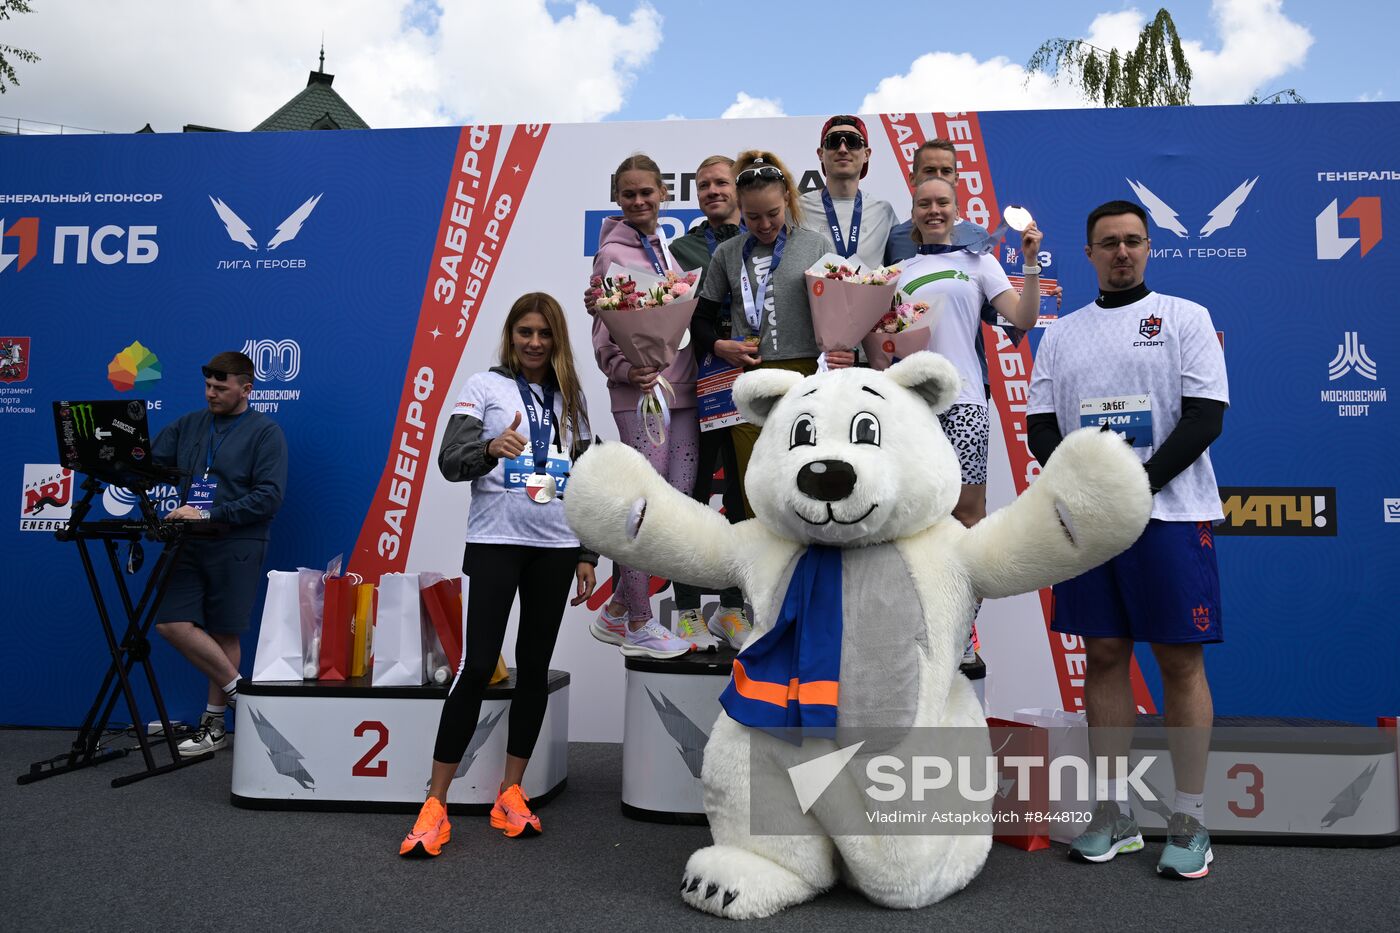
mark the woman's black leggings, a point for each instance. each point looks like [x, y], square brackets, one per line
[542, 576]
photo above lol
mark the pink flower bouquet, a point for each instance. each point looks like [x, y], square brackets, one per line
[648, 317]
[846, 300]
[906, 328]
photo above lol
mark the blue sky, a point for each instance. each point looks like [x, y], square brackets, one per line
[1353, 53]
[438, 62]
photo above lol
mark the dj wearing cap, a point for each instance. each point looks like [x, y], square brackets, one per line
[853, 225]
[234, 462]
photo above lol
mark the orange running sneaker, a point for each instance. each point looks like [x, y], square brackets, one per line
[429, 833]
[512, 815]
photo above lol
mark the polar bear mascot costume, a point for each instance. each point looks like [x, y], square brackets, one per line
[863, 586]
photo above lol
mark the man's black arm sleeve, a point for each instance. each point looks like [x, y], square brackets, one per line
[1043, 435]
[1200, 424]
[704, 327]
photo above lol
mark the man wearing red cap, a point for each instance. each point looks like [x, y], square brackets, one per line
[854, 226]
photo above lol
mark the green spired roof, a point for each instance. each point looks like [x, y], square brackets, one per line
[317, 107]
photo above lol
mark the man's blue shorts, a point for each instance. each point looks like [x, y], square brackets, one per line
[214, 585]
[1165, 590]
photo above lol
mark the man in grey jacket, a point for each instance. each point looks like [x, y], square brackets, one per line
[235, 461]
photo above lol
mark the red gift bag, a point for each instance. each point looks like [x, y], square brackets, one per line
[336, 634]
[442, 601]
[1022, 823]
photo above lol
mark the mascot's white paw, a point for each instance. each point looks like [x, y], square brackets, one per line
[740, 885]
[1096, 478]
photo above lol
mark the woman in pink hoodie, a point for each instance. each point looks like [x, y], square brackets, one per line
[635, 241]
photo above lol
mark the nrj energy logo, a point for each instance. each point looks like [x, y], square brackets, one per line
[26, 232]
[46, 502]
[1365, 211]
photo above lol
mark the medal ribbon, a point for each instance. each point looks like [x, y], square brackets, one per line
[845, 249]
[541, 422]
[753, 306]
[656, 263]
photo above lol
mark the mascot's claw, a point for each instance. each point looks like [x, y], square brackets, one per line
[740, 885]
[1065, 522]
[634, 518]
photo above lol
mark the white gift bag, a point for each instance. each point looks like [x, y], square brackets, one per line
[398, 637]
[311, 591]
[279, 635]
[1067, 734]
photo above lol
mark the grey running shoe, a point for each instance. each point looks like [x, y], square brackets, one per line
[1110, 831]
[1187, 854]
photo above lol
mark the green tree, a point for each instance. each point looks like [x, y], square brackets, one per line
[7, 52]
[1154, 74]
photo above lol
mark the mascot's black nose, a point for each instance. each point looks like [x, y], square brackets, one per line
[827, 480]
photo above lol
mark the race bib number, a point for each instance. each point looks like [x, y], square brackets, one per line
[1128, 415]
[202, 493]
[520, 469]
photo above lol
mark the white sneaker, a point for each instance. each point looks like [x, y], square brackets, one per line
[608, 628]
[654, 640]
[210, 737]
[731, 626]
[691, 627]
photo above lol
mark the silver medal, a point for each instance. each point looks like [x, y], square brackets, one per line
[541, 487]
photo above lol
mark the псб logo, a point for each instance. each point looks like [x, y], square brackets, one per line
[1150, 326]
[287, 230]
[26, 230]
[1365, 211]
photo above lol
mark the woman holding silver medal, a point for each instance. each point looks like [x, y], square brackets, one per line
[513, 434]
[955, 281]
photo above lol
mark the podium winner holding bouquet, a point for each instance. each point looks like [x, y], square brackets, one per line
[634, 241]
[513, 434]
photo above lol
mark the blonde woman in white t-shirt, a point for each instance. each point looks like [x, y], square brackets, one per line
[959, 282]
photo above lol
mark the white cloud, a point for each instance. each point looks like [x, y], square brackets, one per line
[171, 62]
[1258, 43]
[947, 81]
[746, 106]
[1367, 96]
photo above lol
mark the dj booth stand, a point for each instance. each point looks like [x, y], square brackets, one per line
[134, 647]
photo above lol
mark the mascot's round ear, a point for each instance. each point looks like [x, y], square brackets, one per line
[756, 392]
[930, 376]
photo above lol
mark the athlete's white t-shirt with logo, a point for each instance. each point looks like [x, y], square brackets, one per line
[962, 282]
[1129, 367]
[501, 512]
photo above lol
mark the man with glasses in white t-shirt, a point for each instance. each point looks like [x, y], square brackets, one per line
[1150, 367]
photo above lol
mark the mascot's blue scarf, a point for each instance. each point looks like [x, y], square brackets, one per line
[788, 678]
